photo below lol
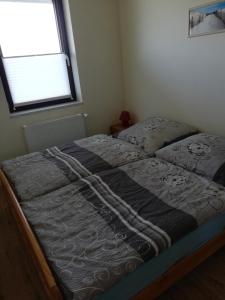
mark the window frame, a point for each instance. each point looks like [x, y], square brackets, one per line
[64, 42]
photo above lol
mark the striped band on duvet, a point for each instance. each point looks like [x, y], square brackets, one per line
[124, 212]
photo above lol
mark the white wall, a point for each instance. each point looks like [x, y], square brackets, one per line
[167, 73]
[96, 33]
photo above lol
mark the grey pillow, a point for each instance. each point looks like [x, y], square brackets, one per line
[154, 133]
[203, 154]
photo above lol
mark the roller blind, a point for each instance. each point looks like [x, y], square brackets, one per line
[35, 64]
[48, 70]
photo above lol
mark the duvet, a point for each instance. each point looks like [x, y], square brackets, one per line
[38, 173]
[100, 228]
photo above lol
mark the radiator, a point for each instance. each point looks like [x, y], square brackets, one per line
[55, 132]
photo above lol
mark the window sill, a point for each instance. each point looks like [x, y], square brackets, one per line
[38, 110]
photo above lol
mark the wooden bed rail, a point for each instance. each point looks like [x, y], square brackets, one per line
[154, 290]
[181, 268]
[45, 274]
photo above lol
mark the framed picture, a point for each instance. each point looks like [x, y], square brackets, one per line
[207, 19]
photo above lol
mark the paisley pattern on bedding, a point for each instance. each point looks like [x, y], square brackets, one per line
[203, 154]
[39, 173]
[99, 229]
[155, 133]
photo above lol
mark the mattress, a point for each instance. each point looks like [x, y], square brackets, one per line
[105, 230]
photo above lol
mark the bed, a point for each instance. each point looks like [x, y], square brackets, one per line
[130, 245]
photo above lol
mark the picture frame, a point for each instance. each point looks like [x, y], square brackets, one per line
[207, 19]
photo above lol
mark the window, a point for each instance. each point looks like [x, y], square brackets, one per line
[35, 59]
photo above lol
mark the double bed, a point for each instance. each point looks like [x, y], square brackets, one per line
[106, 218]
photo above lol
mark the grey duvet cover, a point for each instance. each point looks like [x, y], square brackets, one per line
[97, 230]
[38, 173]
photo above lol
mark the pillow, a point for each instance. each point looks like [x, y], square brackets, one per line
[154, 133]
[203, 154]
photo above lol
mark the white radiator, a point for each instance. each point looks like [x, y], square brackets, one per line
[61, 131]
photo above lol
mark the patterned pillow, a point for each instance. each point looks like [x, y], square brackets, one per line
[203, 154]
[154, 133]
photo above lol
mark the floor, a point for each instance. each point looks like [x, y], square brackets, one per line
[18, 280]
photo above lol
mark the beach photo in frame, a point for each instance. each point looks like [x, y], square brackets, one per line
[207, 19]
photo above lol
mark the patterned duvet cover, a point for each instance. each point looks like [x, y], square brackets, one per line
[38, 173]
[100, 228]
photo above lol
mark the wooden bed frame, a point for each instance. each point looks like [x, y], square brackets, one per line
[155, 289]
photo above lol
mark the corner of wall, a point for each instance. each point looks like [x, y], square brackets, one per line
[118, 3]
